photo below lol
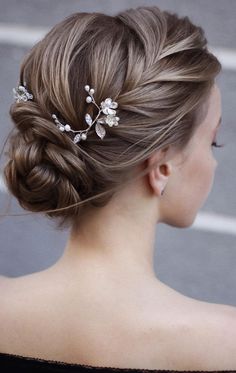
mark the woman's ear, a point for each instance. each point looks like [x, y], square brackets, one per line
[159, 174]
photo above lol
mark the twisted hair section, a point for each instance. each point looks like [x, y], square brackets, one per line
[158, 68]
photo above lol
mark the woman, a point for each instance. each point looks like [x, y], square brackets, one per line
[116, 118]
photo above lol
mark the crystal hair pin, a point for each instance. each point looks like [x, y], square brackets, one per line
[106, 107]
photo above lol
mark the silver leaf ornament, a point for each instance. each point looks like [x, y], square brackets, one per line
[100, 130]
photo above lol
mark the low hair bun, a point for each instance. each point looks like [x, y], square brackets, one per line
[44, 170]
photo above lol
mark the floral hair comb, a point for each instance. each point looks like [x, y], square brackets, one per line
[106, 107]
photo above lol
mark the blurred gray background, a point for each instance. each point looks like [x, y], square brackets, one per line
[199, 261]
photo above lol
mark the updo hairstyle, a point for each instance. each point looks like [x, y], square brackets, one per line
[153, 63]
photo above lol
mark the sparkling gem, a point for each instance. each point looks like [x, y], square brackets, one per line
[110, 120]
[107, 105]
[88, 119]
[77, 138]
[114, 105]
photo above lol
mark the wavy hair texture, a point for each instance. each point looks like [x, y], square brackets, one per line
[155, 64]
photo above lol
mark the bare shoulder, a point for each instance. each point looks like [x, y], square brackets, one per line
[21, 312]
[207, 338]
[184, 334]
[7, 310]
[5, 287]
[222, 335]
[4, 280]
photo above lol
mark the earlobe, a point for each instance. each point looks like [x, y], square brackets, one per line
[158, 177]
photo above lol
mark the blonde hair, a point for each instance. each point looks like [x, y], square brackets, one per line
[155, 64]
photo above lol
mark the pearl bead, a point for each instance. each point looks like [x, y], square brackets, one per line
[87, 87]
[91, 91]
[67, 127]
[88, 99]
[83, 136]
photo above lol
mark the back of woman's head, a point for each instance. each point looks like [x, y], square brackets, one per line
[154, 64]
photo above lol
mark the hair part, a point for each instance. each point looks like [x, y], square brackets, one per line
[155, 64]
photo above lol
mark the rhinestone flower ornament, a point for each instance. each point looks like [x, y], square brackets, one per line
[21, 94]
[107, 107]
